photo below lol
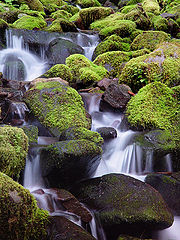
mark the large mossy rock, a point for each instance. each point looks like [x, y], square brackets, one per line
[32, 4]
[154, 106]
[20, 217]
[124, 204]
[67, 162]
[151, 6]
[13, 150]
[30, 23]
[149, 40]
[161, 65]
[56, 105]
[89, 15]
[84, 71]
[168, 187]
[61, 25]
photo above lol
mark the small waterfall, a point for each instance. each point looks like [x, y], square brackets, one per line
[18, 110]
[17, 63]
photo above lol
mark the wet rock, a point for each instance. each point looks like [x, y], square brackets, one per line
[124, 205]
[168, 15]
[105, 82]
[107, 132]
[62, 228]
[66, 162]
[59, 49]
[115, 97]
[70, 203]
[32, 133]
[168, 187]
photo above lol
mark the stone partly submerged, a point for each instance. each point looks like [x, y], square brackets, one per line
[124, 205]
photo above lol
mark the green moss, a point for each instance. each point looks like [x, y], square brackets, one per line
[13, 150]
[113, 61]
[52, 5]
[176, 90]
[84, 70]
[32, 4]
[88, 3]
[81, 133]
[149, 40]
[20, 216]
[139, 16]
[123, 28]
[57, 106]
[127, 8]
[29, 22]
[75, 17]
[151, 6]
[160, 23]
[154, 106]
[61, 14]
[89, 15]
[59, 70]
[32, 133]
[3, 24]
[70, 9]
[112, 43]
[61, 25]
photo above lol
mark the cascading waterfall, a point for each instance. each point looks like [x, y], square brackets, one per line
[17, 63]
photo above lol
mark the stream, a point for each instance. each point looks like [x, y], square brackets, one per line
[120, 155]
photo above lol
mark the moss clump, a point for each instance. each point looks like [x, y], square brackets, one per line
[89, 15]
[20, 216]
[59, 70]
[13, 150]
[32, 4]
[61, 14]
[52, 5]
[161, 65]
[149, 40]
[69, 8]
[29, 22]
[61, 25]
[84, 70]
[154, 106]
[113, 61]
[57, 106]
[123, 28]
[112, 43]
[139, 16]
[32, 133]
[81, 133]
[88, 3]
[160, 23]
[3, 24]
[151, 6]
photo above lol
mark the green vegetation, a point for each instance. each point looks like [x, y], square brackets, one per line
[13, 150]
[29, 22]
[88, 3]
[20, 216]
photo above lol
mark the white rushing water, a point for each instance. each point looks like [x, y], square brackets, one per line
[17, 62]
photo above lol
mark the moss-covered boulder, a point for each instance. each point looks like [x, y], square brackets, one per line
[160, 23]
[32, 4]
[61, 25]
[66, 162]
[52, 5]
[124, 204]
[149, 40]
[113, 61]
[84, 71]
[154, 106]
[168, 187]
[88, 3]
[89, 15]
[9, 16]
[151, 6]
[123, 28]
[61, 14]
[20, 217]
[56, 105]
[139, 16]
[13, 150]
[161, 65]
[112, 43]
[31, 132]
[59, 70]
[30, 23]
